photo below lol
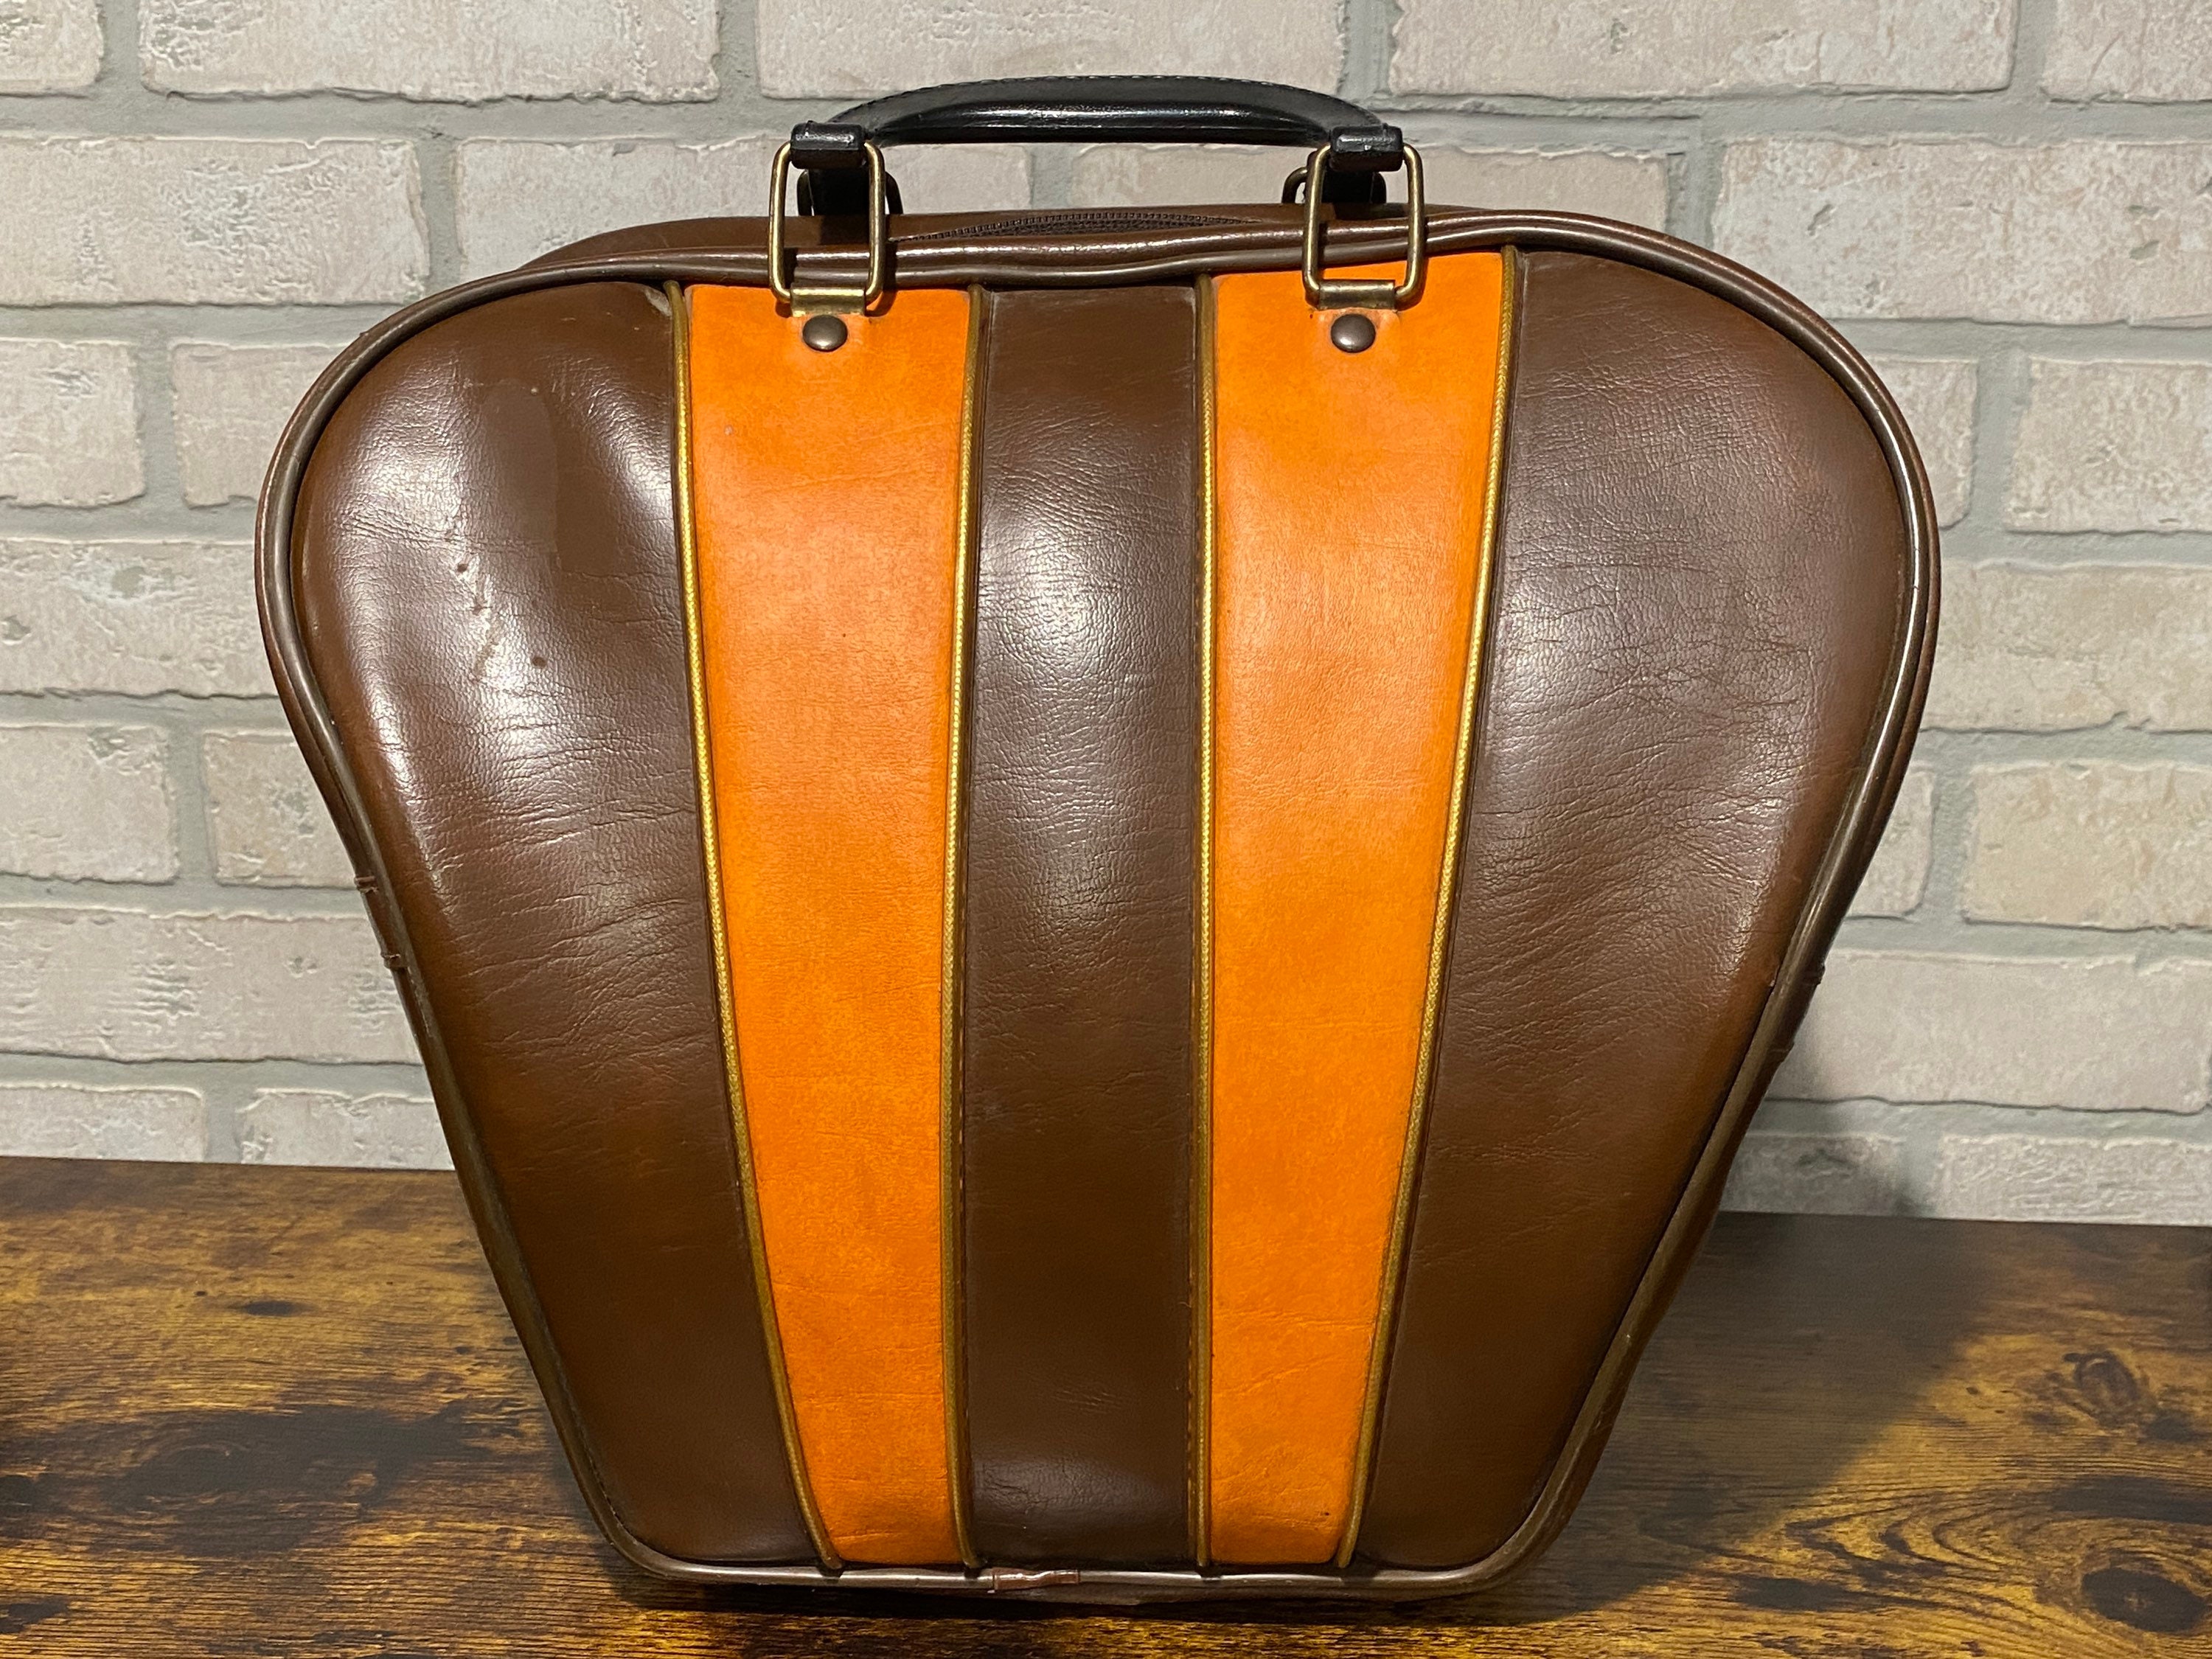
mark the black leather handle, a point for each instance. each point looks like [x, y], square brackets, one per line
[1175, 109]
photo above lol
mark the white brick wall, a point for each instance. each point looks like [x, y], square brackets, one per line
[2114, 445]
[519, 197]
[1817, 1174]
[1691, 48]
[267, 825]
[210, 221]
[127, 985]
[2091, 844]
[2032, 647]
[90, 802]
[61, 1120]
[2026, 1177]
[50, 45]
[1938, 396]
[2079, 231]
[1898, 878]
[314, 1126]
[2007, 203]
[227, 406]
[1613, 185]
[129, 616]
[2155, 49]
[830, 48]
[2100, 1034]
[433, 49]
[69, 423]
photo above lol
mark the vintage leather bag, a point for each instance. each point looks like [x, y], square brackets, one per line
[1095, 898]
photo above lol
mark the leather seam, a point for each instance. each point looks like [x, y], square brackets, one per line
[687, 538]
[1201, 1173]
[951, 1218]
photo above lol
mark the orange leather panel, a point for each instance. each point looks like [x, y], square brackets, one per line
[826, 492]
[1351, 491]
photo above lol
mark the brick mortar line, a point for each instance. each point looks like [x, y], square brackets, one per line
[2021, 107]
[1949, 840]
[2176, 342]
[1871, 1115]
[2000, 402]
[1722, 118]
[100, 1071]
[156, 424]
[2032, 23]
[120, 106]
[145, 518]
[1970, 544]
[1935, 928]
[737, 60]
[1366, 26]
[119, 57]
[141, 518]
[259, 325]
[190, 895]
[121, 708]
[1953, 934]
[438, 201]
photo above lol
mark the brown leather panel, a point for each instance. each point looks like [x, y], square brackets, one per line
[827, 487]
[1146, 258]
[1700, 578]
[1350, 490]
[488, 578]
[1083, 773]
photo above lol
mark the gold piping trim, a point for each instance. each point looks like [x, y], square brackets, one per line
[949, 1251]
[1201, 1135]
[1440, 934]
[687, 538]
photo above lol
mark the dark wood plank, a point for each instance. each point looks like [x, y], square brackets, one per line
[278, 1411]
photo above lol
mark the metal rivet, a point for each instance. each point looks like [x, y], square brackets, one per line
[1352, 332]
[827, 333]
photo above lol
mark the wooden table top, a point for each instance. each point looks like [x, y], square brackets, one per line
[253, 1412]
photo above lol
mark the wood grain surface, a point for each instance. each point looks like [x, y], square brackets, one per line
[250, 1412]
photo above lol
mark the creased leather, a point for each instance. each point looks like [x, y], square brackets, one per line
[489, 590]
[1080, 859]
[1700, 570]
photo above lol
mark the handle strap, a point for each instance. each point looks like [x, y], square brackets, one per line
[1168, 109]
[1174, 109]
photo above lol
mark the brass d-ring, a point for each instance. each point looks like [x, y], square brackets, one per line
[805, 301]
[1332, 293]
